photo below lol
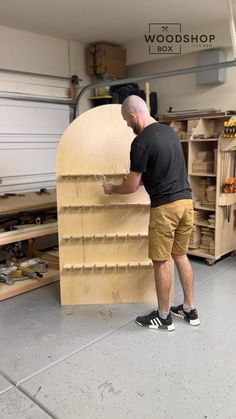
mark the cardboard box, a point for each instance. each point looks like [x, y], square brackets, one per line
[106, 59]
[110, 52]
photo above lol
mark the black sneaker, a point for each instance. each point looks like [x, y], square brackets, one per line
[191, 317]
[153, 321]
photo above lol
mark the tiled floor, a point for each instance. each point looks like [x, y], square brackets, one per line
[94, 362]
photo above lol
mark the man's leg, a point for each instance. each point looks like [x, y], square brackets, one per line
[186, 311]
[163, 284]
[161, 318]
[186, 277]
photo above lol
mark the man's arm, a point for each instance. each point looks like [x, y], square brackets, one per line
[129, 185]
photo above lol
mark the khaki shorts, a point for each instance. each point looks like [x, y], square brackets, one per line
[170, 227]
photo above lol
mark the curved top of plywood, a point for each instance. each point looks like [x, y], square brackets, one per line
[98, 141]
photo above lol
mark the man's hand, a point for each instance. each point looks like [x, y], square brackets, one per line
[107, 188]
[130, 184]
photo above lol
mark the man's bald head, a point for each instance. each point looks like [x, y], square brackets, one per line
[136, 113]
[134, 105]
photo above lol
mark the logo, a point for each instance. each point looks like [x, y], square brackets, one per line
[168, 38]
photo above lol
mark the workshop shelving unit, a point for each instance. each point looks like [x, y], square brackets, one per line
[30, 202]
[103, 239]
[209, 160]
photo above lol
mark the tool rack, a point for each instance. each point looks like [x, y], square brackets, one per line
[103, 239]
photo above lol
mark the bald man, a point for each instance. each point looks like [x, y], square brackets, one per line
[157, 162]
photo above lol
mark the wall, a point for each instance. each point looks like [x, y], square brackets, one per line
[182, 92]
[30, 52]
[138, 52]
[30, 131]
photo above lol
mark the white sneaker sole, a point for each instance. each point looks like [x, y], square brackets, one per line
[191, 322]
[156, 327]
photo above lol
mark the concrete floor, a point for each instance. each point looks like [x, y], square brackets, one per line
[94, 362]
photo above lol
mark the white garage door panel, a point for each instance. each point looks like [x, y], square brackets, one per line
[32, 118]
[10, 141]
[29, 134]
[38, 161]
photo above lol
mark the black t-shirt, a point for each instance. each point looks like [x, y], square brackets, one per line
[157, 154]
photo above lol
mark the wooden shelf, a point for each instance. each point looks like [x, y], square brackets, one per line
[193, 140]
[202, 224]
[199, 207]
[200, 253]
[101, 97]
[31, 201]
[7, 291]
[220, 152]
[228, 144]
[24, 233]
[227, 199]
[203, 174]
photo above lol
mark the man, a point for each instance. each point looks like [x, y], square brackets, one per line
[157, 162]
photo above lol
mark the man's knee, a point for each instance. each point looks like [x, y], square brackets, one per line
[178, 258]
[160, 262]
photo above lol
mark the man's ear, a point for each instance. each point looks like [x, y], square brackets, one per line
[133, 117]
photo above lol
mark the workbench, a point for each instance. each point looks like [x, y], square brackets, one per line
[13, 205]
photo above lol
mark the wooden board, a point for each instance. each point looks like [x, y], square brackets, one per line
[27, 232]
[31, 201]
[8, 291]
[103, 242]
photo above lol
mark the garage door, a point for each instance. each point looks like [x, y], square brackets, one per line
[29, 134]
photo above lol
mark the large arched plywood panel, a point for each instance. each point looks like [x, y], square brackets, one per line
[102, 238]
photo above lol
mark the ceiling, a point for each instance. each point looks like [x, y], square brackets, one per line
[119, 22]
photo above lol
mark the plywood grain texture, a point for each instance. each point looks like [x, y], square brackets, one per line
[103, 239]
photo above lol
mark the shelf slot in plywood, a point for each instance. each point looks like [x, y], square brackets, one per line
[120, 265]
[104, 206]
[91, 175]
[74, 237]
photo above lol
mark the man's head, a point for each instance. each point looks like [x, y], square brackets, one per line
[135, 112]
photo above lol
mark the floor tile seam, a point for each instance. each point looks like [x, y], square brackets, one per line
[105, 335]
[6, 389]
[76, 351]
[17, 386]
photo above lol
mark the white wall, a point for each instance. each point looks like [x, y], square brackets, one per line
[182, 92]
[30, 131]
[138, 52]
[30, 52]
